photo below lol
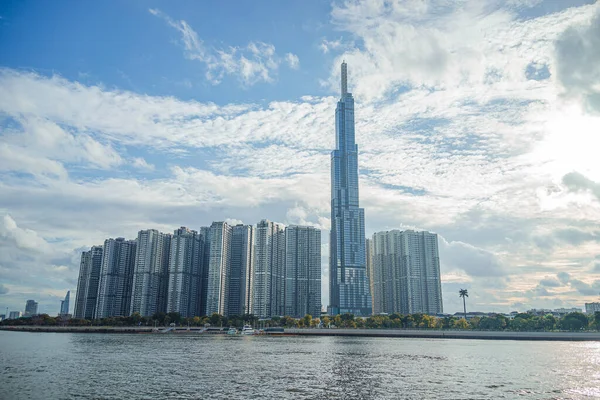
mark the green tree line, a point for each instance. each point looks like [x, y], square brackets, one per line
[575, 321]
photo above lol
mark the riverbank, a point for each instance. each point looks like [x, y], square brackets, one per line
[449, 334]
[388, 333]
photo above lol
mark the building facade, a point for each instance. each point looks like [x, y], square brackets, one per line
[184, 290]
[591, 308]
[348, 280]
[369, 256]
[151, 273]
[217, 292]
[241, 276]
[406, 273]
[82, 283]
[64, 304]
[269, 268]
[116, 278]
[14, 314]
[31, 308]
[302, 271]
[87, 284]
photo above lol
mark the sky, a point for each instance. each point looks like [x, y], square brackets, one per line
[477, 120]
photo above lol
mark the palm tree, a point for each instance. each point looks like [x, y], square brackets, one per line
[464, 293]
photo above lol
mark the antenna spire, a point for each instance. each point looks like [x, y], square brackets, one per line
[344, 78]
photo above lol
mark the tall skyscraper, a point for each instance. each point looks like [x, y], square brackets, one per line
[303, 271]
[87, 284]
[406, 273]
[185, 273]
[64, 304]
[151, 273]
[269, 267]
[82, 283]
[217, 292]
[31, 308]
[241, 275]
[116, 278]
[348, 281]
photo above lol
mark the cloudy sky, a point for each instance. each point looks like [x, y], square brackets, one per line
[478, 120]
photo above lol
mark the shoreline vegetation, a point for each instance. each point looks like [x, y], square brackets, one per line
[352, 332]
[524, 326]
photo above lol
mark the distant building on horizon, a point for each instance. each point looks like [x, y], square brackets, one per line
[348, 280]
[64, 304]
[302, 271]
[87, 284]
[14, 315]
[116, 277]
[591, 308]
[31, 308]
[406, 273]
[151, 273]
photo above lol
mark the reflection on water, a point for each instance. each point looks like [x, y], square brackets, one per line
[46, 365]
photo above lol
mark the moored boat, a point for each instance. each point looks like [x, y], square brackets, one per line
[247, 330]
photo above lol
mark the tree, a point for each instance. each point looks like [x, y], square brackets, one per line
[307, 320]
[326, 321]
[595, 320]
[464, 293]
[216, 319]
[574, 321]
[461, 324]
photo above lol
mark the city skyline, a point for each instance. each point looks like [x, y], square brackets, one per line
[476, 121]
[269, 270]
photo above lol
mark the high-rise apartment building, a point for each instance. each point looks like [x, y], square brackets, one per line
[369, 254]
[184, 291]
[204, 261]
[241, 274]
[64, 304]
[269, 270]
[348, 280]
[82, 283]
[217, 292]
[303, 271]
[15, 314]
[116, 278]
[151, 273]
[87, 284]
[591, 308]
[406, 273]
[31, 308]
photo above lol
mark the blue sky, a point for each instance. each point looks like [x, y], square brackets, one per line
[477, 120]
[127, 47]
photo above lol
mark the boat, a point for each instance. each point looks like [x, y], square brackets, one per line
[232, 331]
[247, 330]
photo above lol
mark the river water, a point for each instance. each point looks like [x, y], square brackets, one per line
[157, 366]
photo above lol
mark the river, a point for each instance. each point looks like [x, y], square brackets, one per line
[179, 366]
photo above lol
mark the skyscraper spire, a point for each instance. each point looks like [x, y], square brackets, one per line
[344, 78]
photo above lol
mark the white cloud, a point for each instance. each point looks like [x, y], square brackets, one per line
[141, 164]
[426, 43]
[578, 62]
[292, 60]
[254, 63]
[328, 45]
